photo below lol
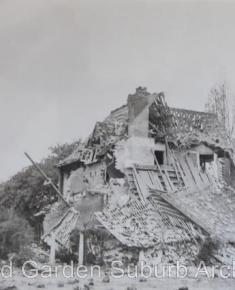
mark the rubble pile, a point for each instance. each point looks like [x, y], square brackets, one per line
[156, 179]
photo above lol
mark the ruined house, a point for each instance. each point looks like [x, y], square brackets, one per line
[151, 182]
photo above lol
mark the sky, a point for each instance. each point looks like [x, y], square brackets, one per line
[65, 64]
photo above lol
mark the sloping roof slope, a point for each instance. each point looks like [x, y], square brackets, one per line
[193, 127]
[104, 135]
[186, 127]
[62, 229]
[144, 224]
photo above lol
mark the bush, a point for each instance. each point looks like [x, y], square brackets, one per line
[65, 256]
[25, 254]
[208, 248]
[26, 191]
[15, 234]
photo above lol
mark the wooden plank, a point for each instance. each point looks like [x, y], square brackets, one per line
[139, 185]
[190, 170]
[195, 172]
[169, 180]
[159, 168]
[156, 179]
[182, 172]
[157, 164]
[191, 182]
[172, 160]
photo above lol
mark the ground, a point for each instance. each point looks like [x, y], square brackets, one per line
[125, 283]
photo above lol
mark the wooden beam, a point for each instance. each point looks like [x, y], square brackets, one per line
[47, 179]
[52, 250]
[81, 249]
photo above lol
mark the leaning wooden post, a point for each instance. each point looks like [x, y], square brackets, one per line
[141, 260]
[48, 180]
[52, 250]
[81, 248]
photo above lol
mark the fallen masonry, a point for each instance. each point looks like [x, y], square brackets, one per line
[151, 183]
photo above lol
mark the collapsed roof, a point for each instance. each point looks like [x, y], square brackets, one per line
[182, 127]
[143, 224]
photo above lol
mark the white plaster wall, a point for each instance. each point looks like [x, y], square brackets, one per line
[84, 178]
[136, 150]
[203, 149]
[200, 149]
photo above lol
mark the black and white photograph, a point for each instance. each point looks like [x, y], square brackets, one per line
[117, 147]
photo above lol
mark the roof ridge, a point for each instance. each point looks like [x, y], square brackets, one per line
[193, 111]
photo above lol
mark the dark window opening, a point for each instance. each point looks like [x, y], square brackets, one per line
[221, 154]
[205, 158]
[159, 155]
[107, 178]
